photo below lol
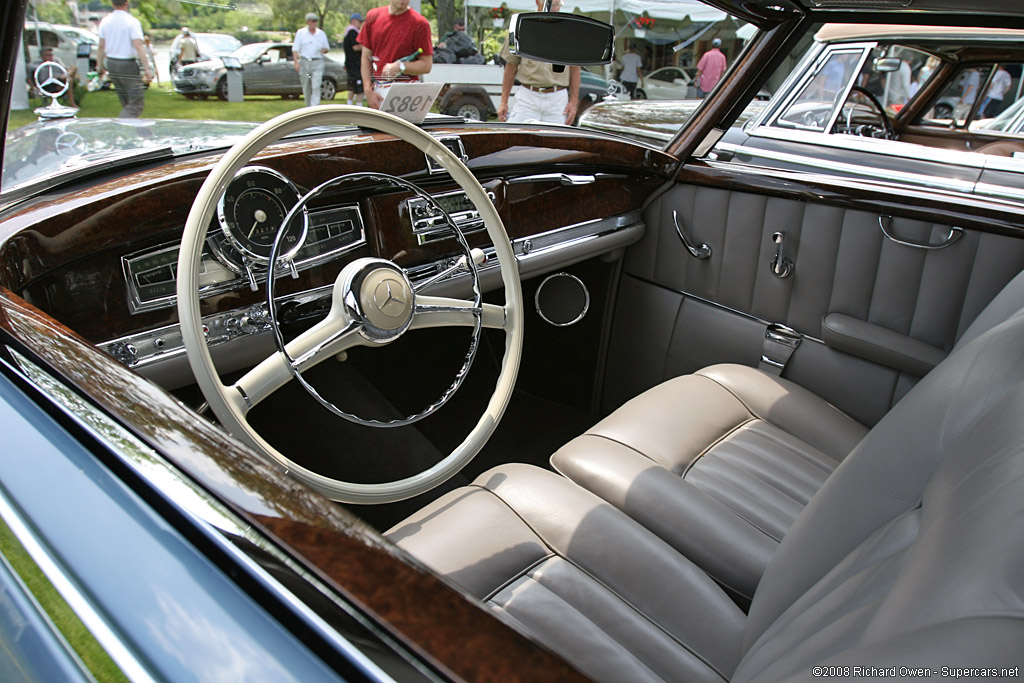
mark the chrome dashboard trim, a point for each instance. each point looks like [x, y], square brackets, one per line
[154, 346]
[454, 145]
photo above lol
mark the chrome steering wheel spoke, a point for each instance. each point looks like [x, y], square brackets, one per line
[436, 311]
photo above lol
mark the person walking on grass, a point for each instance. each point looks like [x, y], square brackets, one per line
[121, 51]
[308, 52]
[354, 59]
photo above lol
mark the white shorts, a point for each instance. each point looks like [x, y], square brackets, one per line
[530, 106]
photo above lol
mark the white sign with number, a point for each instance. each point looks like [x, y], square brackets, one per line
[410, 101]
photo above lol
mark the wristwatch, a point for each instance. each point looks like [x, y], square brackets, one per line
[401, 67]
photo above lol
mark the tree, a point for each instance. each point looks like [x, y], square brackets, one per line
[333, 14]
[446, 12]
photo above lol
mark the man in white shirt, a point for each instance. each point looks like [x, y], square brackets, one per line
[308, 52]
[121, 51]
[632, 73]
[997, 89]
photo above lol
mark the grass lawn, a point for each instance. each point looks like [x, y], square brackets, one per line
[163, 103]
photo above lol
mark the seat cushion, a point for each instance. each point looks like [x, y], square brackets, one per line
[718, 464]
[580, 576]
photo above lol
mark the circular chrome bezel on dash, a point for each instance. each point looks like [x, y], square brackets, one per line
[233, 232]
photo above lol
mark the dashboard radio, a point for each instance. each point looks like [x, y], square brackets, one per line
[429, 225]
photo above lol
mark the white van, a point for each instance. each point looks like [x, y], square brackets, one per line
[63, 39]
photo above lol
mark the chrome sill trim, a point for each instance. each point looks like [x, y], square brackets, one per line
[212, 517]
[54, 571]
[97, 626]
[1000, 191]
[865, 172]
[891, 148]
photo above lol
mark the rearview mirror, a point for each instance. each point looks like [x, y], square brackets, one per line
[561, 38]
[888, 64]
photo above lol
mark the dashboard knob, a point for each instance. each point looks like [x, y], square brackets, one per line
[125, 353]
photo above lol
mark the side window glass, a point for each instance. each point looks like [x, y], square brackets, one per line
[894, 73]
[957, 99]
[812, 108]
[1002, 92]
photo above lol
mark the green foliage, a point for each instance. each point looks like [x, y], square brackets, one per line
[53, 12]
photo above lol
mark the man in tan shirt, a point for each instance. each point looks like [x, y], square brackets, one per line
[544, 94]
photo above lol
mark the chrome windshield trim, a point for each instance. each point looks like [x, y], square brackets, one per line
[866, 172]
[209, 515]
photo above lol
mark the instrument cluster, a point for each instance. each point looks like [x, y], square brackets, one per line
[252, 212]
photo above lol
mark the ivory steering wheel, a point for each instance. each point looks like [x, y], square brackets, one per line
[345, 327]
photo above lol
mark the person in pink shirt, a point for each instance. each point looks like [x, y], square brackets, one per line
[710, 68]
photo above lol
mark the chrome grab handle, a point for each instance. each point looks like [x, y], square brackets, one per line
[566, 179]
[955, 233]
[781, 266]
[702, 252]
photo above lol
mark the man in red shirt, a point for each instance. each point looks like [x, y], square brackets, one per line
[710, 69]
[397, 46]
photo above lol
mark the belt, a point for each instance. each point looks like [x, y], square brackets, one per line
[546, 88]
[311, 59]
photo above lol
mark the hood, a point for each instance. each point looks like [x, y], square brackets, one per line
[44, 149]
[650, 120]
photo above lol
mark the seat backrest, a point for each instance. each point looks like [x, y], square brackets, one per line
[1006, 304]
[913, 550]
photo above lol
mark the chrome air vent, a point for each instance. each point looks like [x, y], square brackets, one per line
[454, 145]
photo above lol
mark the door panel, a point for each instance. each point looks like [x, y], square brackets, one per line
[716, 310]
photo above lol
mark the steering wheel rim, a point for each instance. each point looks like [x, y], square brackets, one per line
[231, 403]
[890, 130]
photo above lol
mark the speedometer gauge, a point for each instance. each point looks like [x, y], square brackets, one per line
[252, 211]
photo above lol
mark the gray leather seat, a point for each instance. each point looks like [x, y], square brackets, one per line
[909, 555]
[721, 463]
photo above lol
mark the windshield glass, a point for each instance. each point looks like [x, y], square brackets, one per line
[209, 75]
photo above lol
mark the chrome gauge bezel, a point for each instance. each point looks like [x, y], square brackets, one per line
[241, 243]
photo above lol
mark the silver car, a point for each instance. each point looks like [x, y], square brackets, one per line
[267, 69]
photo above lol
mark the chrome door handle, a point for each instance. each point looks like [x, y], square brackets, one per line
[567, 179]
[955, 233]
[702, 252]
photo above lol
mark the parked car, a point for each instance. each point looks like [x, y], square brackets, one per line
[939, 134]
[669, 83]
[267, 69]
[478, 100]
[944, 133]
[64, 40]
[340, 396]
[211, 46]
[653, 122]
